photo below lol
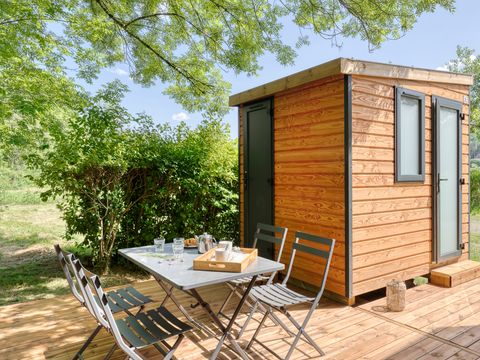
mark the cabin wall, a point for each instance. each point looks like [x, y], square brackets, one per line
[392, 222]
[309, 173]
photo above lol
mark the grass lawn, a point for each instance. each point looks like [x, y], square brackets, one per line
[28, 265]
[475, 237]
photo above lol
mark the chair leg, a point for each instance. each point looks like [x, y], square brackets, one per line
[245, 324]
[229, 297]
[294, 345]
[110, 353]
[78, 355]
[304, 333]
[257, 330]
[169, 355]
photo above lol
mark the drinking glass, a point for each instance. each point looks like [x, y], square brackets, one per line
[178, 249]
[159, 244]
[178, 240]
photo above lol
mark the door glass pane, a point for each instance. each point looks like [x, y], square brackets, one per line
[410, 139]
[449, 177]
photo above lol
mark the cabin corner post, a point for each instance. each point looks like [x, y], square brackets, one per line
[469, 173]
[241, 233]
[348, 183]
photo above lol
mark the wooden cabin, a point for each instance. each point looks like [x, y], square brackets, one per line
[373, 155]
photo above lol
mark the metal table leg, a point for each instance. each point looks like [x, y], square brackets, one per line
[226, 329]
[169, 295]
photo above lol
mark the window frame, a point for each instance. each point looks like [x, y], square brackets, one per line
[399, 92]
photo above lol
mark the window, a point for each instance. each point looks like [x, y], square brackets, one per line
[409, 135]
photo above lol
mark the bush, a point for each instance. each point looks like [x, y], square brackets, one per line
[475, 190]
[121, 180]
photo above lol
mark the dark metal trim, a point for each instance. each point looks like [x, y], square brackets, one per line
[399, 92]
[469, 176]
[241, 241]
[438, 102]
[263, 104]
[348, 182]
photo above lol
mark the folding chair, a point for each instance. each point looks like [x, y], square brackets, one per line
[133, 332]
[279, 297]
[124, 299]
[267, 234]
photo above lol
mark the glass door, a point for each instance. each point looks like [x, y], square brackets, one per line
[447, 178]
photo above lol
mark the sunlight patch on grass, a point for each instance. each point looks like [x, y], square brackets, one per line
[28, 265]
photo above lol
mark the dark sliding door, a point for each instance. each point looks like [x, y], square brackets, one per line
[258, 170]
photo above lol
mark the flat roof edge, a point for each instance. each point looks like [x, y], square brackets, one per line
[370, 68]
[332, 67]
[351, 67]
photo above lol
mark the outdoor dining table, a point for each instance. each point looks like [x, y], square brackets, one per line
[181, 275]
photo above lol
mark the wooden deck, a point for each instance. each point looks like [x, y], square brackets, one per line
[438, 323]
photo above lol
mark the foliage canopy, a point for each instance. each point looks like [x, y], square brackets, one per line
[469, 63]
[184, 43]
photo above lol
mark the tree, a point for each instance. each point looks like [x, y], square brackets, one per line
[184, 43]
[469, 63]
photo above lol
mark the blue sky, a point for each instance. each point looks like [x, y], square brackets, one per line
[430, 44]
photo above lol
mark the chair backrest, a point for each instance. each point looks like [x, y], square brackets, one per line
[65, 258]
[90, 279]
[90, 302]
[329, 244]
[268, 233]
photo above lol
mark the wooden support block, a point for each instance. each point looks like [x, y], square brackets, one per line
[455, 274]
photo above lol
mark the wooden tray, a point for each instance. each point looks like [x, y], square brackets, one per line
[203, 261]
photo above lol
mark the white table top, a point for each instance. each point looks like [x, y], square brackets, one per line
[181, 274]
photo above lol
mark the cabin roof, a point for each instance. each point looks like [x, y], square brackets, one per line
[352, 67]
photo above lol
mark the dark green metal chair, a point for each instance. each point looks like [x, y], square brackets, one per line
[121, 300]
[278, 297]
[265, 233]
[133, 332]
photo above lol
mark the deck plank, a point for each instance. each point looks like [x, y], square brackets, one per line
[438, 323]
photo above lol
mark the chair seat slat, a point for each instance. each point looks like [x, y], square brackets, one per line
[170, 317]
[152, 327]
[140, 330]
[138, 295]
[119, 300]
[129, 335]
[281, 296]
[265, 297]
[132, 300]
[246, 280]
[293, 293]
[160, 320]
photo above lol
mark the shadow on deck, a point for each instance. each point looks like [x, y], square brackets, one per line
[437, 323]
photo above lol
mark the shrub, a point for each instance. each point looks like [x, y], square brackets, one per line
[475, 189]
[121, 180]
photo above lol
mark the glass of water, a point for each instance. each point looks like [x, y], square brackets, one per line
[178, 245]
[159, 244]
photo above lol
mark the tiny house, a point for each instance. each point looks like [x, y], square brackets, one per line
[373, 155]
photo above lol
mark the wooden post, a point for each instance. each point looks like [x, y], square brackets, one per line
[396, 290]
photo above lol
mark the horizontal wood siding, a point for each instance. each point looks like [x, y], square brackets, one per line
[392, 222]
[309, 173]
